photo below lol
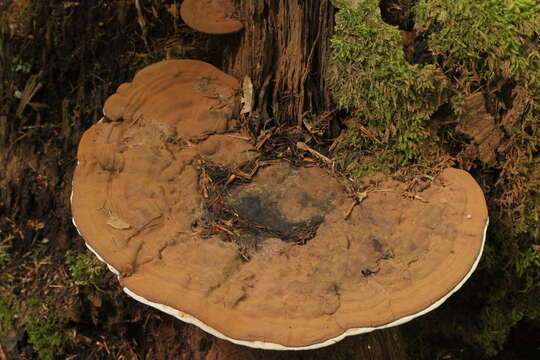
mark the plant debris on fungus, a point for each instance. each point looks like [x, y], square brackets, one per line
[279, 260]
[211, 16]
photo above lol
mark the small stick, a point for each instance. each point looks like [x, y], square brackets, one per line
[263, 141]
[351, 208]
[336, 142]
[230, 179]
[303, 146]
[415, 197]
[369, 134]
[242, 174]
[237, 137]
[224, 229]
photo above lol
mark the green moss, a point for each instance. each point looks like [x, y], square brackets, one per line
[527, 259]
[84, 269]
[44, 332]
[371, 78]
[9, 307]
[483, 41]
[512, 274]
[5, 255]
[504, 309]
[485, 45]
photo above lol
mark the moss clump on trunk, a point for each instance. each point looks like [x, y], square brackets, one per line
[483, 41]
[371, 78]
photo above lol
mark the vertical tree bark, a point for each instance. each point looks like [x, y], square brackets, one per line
[284, 50]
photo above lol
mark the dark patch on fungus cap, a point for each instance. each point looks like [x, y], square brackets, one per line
[210, 16]
[288, 202]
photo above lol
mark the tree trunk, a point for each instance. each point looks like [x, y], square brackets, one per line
[284, 50]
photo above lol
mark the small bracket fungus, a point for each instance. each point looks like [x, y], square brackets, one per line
[210, 16]
[279, 260]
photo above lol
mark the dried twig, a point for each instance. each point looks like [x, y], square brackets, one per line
[369, 134]
[337, 141]
[351, 208]
[234, 136]
[413, 196]
[223, 229]
[265, 136]
[32, 87]
[303, 146]
[142, 22]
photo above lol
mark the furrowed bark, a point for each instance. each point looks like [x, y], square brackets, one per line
[284, 49]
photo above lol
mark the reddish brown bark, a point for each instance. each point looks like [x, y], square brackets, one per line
[284, 49]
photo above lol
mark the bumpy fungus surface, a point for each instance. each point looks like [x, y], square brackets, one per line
[210, 16]
[315, 272]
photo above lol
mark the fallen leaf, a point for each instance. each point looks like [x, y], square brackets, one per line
[118, 223]
[247, 97]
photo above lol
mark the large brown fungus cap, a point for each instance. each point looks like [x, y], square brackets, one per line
[210, 16]
[290, 266]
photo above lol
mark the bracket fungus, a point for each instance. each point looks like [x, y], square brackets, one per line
[279, 260]
[210, 16]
